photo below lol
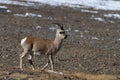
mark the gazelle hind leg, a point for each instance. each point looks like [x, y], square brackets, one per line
[21, 57]
[44, 67]
[30, 58]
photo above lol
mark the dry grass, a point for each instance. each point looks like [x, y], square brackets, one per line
[38, 75]
[18, 76]
[96, 77]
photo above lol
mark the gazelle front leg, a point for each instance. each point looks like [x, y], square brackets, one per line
[51, 61]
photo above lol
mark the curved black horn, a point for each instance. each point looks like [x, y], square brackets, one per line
[60, 25]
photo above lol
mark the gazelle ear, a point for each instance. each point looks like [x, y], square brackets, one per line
[59, 25]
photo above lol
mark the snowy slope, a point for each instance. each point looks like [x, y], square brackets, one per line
[96, 4]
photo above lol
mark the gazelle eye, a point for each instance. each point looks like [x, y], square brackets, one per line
[62, 32]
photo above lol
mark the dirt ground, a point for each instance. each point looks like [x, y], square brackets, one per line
[91, 51]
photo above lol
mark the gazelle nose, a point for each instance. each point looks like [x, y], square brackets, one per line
[65, 36]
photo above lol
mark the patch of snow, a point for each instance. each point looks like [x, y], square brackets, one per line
[86, 31]
[95, 38]
[50, 18]
[21, 15]
[3, 7]
[116, 16]
[81, 35]
[89, 11]
[67, 30]
[39, 15]
[118, 39]
[99, 19]
[76, 30]
[52, 28]
[16, 3]
[102, 39]
[51, 71]
[111, 21]
[32, 15]
[28, 15]
[8, 11]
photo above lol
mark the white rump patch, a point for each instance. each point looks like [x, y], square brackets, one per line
[23, 40]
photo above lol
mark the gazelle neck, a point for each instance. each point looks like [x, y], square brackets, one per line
[57, 42]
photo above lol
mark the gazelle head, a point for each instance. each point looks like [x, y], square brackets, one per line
[60, 32]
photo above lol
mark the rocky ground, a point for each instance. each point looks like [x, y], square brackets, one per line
[91, 52]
